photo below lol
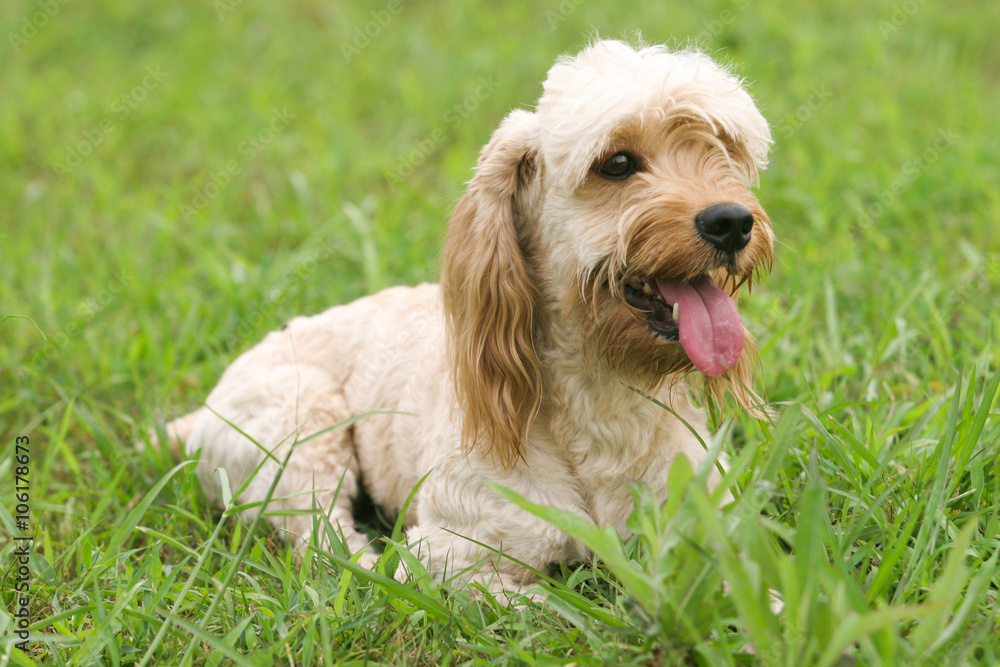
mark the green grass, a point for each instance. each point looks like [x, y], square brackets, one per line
[870, 505]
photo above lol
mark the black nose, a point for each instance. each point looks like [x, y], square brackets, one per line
[725, 226]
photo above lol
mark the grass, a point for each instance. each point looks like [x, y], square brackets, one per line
[222, 168]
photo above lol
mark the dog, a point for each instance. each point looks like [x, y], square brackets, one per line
[593, 263]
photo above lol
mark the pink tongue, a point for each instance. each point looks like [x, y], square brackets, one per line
[711, 331]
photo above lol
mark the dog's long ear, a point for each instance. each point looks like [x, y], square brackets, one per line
[490, 296]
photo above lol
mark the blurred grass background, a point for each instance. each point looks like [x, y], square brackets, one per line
[148, 270]
[853, 99]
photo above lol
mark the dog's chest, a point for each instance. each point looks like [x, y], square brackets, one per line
[602, 457]
[602, 484]
[593, 481]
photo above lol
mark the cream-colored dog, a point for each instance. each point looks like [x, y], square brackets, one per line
[599, 248]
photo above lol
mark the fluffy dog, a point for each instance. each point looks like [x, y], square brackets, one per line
[598, 249]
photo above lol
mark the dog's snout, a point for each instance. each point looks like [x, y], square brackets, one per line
[725, 226]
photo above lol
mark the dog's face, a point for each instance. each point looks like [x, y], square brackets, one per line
[647, 203]
[616, 220]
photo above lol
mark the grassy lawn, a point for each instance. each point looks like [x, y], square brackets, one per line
[177, 179]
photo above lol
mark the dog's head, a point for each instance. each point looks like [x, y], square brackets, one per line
[614, 223]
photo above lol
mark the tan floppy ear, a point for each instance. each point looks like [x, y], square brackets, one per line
[490, 299]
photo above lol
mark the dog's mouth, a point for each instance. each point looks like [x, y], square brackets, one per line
[696, 313]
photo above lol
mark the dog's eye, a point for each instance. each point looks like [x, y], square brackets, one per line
[619, 166]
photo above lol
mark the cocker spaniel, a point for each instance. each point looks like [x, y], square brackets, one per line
[599, 249]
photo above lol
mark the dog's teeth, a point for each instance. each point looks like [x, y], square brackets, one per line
[646, 288]
[677, 313]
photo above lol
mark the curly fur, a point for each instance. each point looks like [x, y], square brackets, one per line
[519, 368]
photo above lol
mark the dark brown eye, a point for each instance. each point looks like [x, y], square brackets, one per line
[619, 166]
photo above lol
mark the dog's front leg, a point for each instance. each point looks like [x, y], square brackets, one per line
[474, 538]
